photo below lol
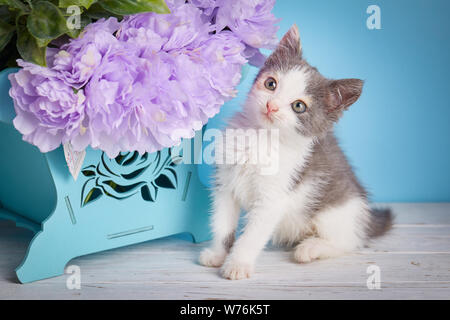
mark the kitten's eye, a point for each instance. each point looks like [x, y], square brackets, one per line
[298, 106]
[270, 84]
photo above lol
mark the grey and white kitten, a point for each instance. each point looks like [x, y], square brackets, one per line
[314, 201]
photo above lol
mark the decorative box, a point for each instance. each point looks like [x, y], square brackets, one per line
[113, 203]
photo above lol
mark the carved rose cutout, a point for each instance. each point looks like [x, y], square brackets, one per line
[128, 174]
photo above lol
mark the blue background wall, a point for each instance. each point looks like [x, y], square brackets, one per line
[397, 134]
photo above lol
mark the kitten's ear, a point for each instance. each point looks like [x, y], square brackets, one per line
[290, 43]
[342, 94]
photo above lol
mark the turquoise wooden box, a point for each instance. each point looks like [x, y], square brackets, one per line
[113, 203]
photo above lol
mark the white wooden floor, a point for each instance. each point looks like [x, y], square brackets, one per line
[414, 260]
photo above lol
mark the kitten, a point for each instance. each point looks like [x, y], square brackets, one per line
[314, 201]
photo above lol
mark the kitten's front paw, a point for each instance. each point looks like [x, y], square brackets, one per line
[237, 270]
[211, 258]
[314, 248]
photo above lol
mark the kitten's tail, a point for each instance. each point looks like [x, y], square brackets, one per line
[381, 221]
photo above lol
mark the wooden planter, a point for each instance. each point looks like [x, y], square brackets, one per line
[113, 203]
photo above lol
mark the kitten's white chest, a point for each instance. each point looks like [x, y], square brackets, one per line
[270, 177]
[245, 178]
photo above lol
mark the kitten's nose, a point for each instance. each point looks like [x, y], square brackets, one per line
[271, 107]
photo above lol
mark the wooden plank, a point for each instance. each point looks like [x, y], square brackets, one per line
[419, 213]
[414, 260]
[413, 276]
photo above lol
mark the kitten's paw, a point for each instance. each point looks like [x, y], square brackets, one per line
[314, 248]
[237, 270]
[211, 258]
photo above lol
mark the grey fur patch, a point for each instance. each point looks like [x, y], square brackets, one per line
[381, 221]
[331, 171]
[228, 242]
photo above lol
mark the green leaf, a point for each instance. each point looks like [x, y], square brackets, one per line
[9, 55]
[46, 21]
[42, 43]
[6, 33]
[80, 3]
[6, 15]
[97, 12]
[29, 48]
[15, 4]
[125, 7]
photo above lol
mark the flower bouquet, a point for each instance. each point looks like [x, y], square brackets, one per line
[142, 83]
[135, 79]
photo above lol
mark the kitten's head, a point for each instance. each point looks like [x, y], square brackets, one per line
[289, 94]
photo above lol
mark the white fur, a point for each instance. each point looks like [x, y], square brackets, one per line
[274, 209]
[337, 230]
[291, 86]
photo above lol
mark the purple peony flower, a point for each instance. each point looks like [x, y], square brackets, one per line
[145, 83]
[48, 111]
[208, 6]
[118, 99]
[77, 60]
[251, 21]
[146, 104]
[175, 76]
[181, 29]
[222, 56]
